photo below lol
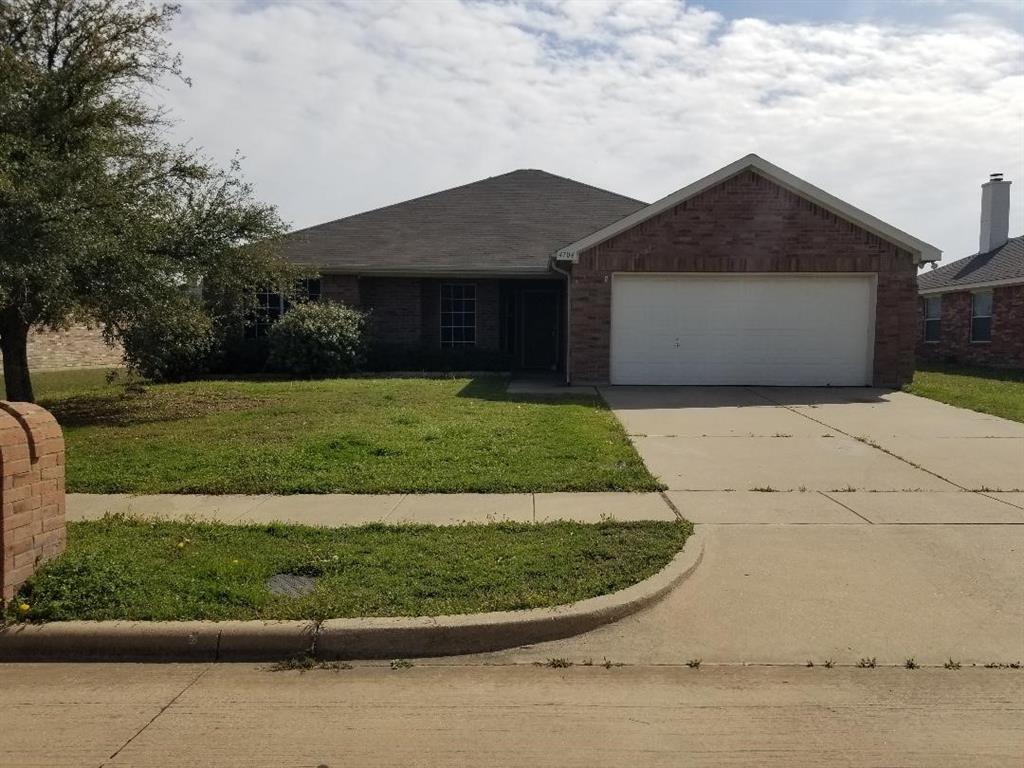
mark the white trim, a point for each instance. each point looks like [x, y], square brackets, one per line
[921, 250]
[971, 287]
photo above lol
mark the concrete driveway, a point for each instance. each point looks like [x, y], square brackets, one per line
[893, 529]
[828, 440]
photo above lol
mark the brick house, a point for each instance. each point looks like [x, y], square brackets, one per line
[747, 276]
[972, 310]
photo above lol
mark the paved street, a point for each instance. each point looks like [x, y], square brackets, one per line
[231, 715]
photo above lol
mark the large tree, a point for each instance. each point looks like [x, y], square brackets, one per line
[101, 217]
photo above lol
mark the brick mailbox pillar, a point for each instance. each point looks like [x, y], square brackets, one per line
[32, 494]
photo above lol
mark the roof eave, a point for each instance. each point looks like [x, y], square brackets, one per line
[920, 250]
[981, 284]
[439, 271]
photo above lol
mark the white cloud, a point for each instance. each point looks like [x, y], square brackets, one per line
[341, 108]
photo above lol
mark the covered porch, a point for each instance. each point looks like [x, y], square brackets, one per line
[516, 324]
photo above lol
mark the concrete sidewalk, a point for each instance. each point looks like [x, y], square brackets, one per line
[710, 507]
[353, 509]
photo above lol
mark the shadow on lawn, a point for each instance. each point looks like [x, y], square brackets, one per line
[495, 388]
[125, 409]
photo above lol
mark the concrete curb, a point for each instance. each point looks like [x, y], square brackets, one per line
[364, 638]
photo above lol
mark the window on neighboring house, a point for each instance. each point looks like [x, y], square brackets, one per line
[458, 314]
[933, 318]
[981, 316]
[270, 306]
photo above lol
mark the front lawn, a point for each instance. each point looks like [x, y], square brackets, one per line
[118, 568]
[335, 436]
[997, 392]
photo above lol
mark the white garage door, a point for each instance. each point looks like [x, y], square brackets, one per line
[797, 330]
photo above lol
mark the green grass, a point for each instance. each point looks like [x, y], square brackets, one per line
[117, 568]
[997, 392]
[333, 436]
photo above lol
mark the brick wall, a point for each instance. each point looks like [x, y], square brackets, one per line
[32, 493]
[77, 347]
[341, 288]
[746, 224]
[1007, 346]
[394, 303]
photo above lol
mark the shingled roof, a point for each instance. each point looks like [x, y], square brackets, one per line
[509, 224]
[1002, 264]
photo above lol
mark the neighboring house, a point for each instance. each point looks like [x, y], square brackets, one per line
[972, 310]
[79, 346]
[747, 276]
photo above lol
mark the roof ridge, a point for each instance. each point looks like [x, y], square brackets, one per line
[463, 186]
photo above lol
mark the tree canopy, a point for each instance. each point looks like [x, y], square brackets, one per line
[102, 217]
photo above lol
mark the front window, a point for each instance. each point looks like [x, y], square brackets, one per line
[981, 316]
[458, 314]
[270, 306]
[933, 318]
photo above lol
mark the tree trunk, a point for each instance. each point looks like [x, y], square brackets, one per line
[14, 345]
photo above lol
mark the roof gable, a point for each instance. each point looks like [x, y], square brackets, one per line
[921, 251]
[1003, 265]
[508, 224]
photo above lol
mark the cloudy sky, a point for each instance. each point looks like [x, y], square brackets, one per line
[901, 108]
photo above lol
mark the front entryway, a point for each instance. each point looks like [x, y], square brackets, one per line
[786, 329]
[540, 329]
[532, 318]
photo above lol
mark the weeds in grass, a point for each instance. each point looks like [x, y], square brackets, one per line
[1000, 665]
[828, 664]
[867, 662]
[847, 489]
[952, 664]
[401, 664]
[608, 663]
[910, 663]
[764, 489]
[694, 663]
[809, 663]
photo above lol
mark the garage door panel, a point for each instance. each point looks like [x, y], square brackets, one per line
[775, 330]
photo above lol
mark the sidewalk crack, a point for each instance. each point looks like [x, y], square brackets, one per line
[671, 505]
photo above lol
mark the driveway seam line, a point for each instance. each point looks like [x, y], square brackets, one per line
[850, 509]
[863, 440]
[671, 505]
[152, 720]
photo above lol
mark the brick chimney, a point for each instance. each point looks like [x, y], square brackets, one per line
[995, 213]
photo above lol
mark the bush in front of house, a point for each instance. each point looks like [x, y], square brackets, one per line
[170, 343]
[317, 339]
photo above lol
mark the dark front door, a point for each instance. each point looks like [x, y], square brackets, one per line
[540, 329]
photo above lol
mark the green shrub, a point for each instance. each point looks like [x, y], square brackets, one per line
[317, 339]
[172, 345]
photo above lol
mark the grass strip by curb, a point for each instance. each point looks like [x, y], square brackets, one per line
[127, 569]
[336, 639]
